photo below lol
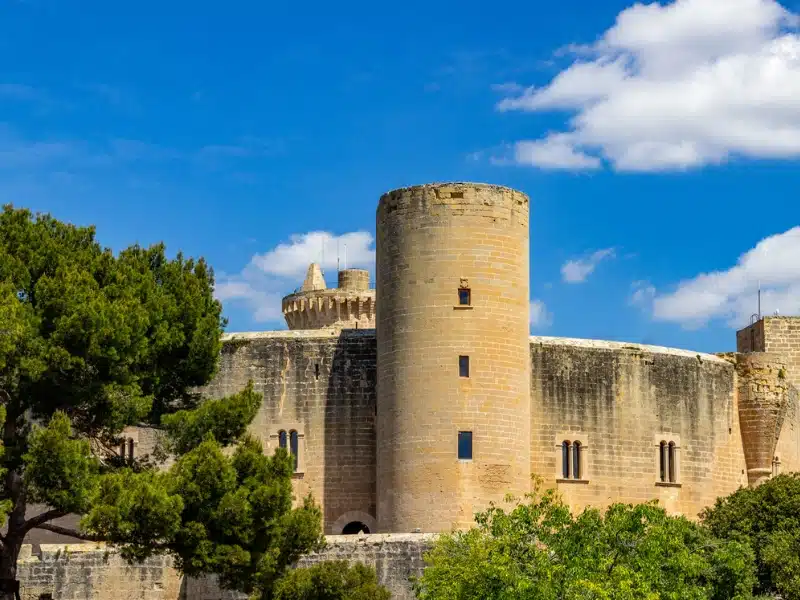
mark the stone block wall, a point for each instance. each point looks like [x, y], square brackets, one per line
[91, 572]
[94, 572]
[620, 401]
[321, 385]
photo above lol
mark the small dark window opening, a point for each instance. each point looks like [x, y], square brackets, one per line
[565, 460]
[316, 371]
[130, 449]
[671, 470]
[293, 438]
[463, 366]
[47, 596]
[282, 439]
[576, 460]
[355, 528]
[662, 461]
[465, 445]
[457, 194]
[464, 296]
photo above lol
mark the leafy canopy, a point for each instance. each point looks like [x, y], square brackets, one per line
[92, 342]
[767, 518]
[540, 551]
[331, 580]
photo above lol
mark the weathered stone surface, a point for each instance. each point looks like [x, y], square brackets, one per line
[432, 241]
[92, 571]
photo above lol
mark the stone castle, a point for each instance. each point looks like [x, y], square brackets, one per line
[413, 405]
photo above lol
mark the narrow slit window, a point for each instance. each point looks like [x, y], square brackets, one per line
[282, 439]
[565, 460]
[464, 296]
[293, 447]
[662, 460]
[130, 449]
[465, 445]
[576, 460]
[671, 459]
[463, 366]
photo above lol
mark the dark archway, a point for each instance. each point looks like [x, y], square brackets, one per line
[354, 528]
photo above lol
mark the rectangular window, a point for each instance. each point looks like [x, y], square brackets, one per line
[464, 296]
[463, 366]
[465, 445]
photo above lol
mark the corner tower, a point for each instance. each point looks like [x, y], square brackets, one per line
[453, 372]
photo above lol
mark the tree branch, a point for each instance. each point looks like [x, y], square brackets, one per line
[69, 532]
[46, 516]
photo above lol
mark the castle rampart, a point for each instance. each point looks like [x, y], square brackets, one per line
[351, 305]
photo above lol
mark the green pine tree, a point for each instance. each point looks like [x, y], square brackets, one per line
[92, 342]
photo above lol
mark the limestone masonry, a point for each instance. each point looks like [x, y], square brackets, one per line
[411, 406]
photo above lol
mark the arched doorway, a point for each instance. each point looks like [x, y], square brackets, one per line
[354, 527]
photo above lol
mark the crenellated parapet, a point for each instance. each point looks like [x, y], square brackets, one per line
[351, 305]
[764, 397]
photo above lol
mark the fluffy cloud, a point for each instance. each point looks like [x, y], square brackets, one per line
[271, 275]
[672, 87]
[577, 270]
[732, 294]
[539, 315]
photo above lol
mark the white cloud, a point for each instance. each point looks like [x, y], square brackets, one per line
[274, 274]
[292, 259]
[732, 294]
[577, 270]
[540, 317]
[675, 86]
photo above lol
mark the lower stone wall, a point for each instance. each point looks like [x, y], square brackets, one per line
[94, 572]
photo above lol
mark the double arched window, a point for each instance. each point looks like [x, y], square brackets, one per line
[293, 444]
[571, 459]
[668, 461]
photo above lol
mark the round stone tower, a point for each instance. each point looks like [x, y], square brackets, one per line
[453, 382]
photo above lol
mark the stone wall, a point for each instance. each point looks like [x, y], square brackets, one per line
[321, 385]
[781, 336]
[620, 401]
[93, 572]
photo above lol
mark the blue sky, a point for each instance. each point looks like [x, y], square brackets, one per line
[658, 143]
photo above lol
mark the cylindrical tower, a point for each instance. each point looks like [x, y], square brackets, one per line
[453, 383]
[354, 279]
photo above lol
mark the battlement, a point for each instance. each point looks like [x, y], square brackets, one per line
[349, 306]
[494, 202]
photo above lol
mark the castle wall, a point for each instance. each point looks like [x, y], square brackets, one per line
[322, 386]
[433, 240]
[620, 401]
[94, 572]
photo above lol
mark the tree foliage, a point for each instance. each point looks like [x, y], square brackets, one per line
[767, 518]
[331, 580]
[541, 551]
[92, 342]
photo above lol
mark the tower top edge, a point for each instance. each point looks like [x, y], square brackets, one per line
[455, 184]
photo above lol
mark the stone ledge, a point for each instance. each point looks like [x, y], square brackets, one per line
[609, 345]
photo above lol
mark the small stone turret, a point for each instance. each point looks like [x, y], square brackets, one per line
[314, 306]
[764, 398]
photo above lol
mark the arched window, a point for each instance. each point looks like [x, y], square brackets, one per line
[576, 460]
[662, 461]
[282, 439]
[293, 446]
[565, 459]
